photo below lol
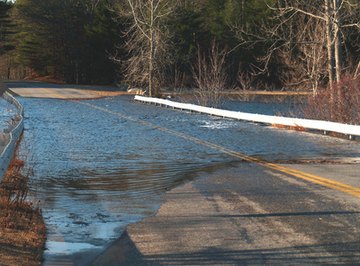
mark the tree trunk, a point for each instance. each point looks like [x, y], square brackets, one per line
[329, 45]
[145, 41]
[151, 55]
[337, 41]
[151, 66]
[357, 71]
[330, 49]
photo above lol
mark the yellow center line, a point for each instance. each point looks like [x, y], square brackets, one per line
[355, 191]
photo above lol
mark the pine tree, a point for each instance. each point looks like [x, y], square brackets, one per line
[6, 27]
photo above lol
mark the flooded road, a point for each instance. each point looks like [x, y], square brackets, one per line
[96, 172]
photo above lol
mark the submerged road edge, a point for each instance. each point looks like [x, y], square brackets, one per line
[354, 191]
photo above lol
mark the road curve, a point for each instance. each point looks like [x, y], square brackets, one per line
[34, 89]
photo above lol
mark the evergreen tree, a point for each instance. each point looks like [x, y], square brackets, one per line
[6, 27]
[74, 39]
[68, 39]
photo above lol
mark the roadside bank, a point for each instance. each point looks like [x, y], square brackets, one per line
[22, 229]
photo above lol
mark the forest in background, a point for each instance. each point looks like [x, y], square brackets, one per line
[253, 44]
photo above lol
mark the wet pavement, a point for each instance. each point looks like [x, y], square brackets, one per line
[95, 172]
[34, 89]
[245, 215]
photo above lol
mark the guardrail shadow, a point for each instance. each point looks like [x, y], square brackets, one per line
[343, 253]
[124, 252]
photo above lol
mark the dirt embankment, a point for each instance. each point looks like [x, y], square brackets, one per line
[22, 228]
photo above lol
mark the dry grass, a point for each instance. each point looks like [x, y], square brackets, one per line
[48, 79]
[22, 229]
[338, 104]
[296, 128]
[111, 93]
[270, 93]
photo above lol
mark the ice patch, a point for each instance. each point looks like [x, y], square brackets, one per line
[66, 248]
[217, 124]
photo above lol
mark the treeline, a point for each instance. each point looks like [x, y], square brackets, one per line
[69, 40]
[268, 44]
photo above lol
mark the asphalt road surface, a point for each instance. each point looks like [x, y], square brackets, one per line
[283, 198]
[33, 89]
[253, 212]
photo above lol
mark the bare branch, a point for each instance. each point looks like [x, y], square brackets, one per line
[137, 20]
[357, 71]
[357, 25]
[210, 76]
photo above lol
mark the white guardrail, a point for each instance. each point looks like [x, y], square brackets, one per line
[12, 136]
[325, 126]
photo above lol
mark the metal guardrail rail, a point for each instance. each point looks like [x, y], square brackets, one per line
[351, 131]
[12, 136]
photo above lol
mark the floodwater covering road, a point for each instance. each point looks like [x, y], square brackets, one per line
[102, 164]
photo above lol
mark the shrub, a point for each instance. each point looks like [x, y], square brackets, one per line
[341, 103]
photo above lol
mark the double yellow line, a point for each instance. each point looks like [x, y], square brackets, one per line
[355, 191]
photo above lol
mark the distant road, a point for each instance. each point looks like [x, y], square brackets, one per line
[33, 89]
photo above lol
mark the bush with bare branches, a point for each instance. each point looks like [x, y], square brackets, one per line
[245, 81]
[210, 75]
[339, 104]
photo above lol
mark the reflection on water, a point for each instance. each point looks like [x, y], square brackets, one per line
[96, 172]
[288, 107]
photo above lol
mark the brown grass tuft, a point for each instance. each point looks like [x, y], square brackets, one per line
[296, 128]
[22, 229]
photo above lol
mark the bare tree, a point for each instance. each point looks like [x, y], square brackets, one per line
[146, 40]
[305, 54]
[334, 13]
[210, 76]
[308, 35]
